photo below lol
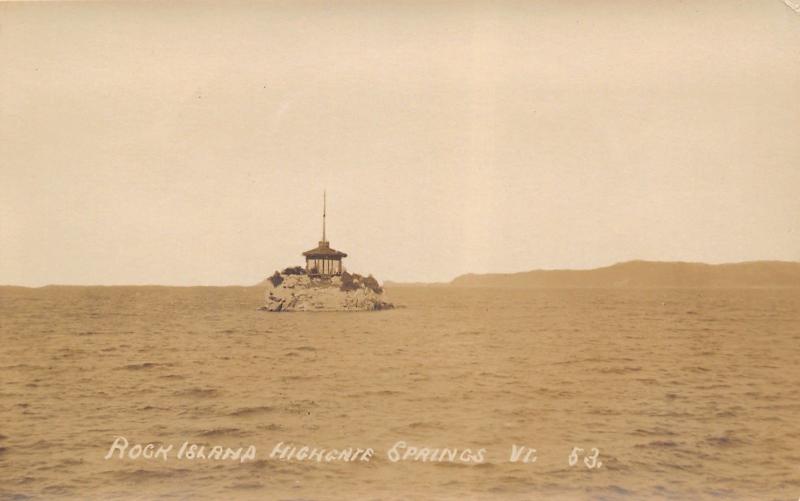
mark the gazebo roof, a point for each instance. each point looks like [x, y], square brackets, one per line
[323, 250]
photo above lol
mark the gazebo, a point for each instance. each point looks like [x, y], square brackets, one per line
[322, 260]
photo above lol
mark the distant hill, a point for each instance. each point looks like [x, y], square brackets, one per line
[647, 274]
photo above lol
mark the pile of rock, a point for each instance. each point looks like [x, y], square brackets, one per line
[293, 290]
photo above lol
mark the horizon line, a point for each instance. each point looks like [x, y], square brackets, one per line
[399, 282]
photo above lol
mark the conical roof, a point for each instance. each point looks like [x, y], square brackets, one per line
[323, 250]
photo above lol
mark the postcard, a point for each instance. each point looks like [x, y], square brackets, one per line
[400, 250]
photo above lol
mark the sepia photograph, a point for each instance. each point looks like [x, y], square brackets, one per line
[400, 250]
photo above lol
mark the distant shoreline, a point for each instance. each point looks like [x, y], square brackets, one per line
[637, 275]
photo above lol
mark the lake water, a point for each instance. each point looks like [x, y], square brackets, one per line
[684, 393]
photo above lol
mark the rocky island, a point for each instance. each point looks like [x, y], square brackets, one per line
[323, 285]
[295, 290]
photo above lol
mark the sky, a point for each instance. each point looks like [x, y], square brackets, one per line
[190, 143]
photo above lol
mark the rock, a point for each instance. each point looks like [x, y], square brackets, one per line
[303, 293]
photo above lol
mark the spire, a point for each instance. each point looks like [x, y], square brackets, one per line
[323, 214]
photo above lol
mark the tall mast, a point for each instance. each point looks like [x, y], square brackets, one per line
[323, 214]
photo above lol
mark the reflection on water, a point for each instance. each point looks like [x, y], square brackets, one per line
[685, 393]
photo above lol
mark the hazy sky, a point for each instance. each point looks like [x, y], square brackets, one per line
[190, 143]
